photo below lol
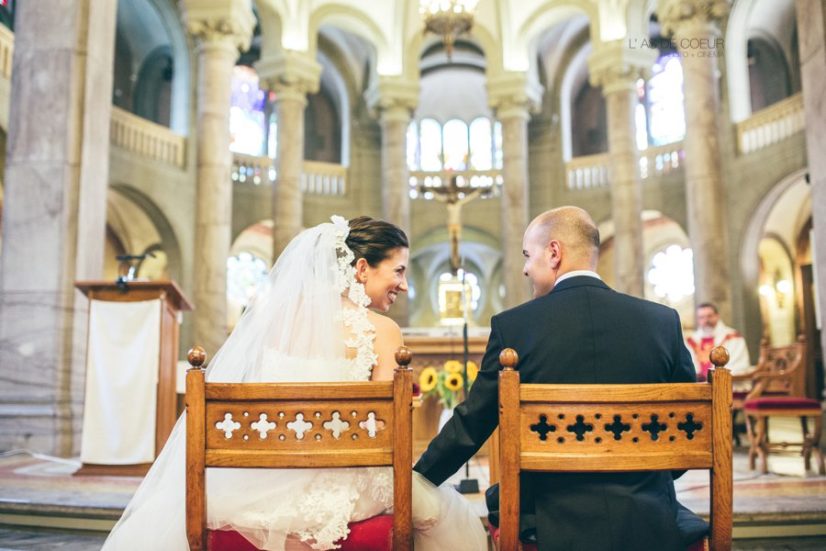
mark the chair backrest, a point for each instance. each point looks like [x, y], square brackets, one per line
[615, 428]
[299, 425]
[785, 363]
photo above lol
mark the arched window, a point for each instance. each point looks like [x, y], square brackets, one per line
[430, 133]
[664, 101]
[481, 144]
[245, 273]
[671, 274]
[246, 114]
[455, 144]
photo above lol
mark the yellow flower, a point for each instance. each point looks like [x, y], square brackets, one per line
[453, 366]
[427, 379]
[454, 382]
[472, 371]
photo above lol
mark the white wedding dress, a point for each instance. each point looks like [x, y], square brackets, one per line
[309, 335]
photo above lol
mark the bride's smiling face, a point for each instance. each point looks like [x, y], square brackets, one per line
[386, 280]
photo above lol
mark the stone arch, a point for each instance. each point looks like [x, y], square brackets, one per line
[359, 23]
[548, 15]
[740, 28]
[771, 215]
[135, 204]
[143, 27]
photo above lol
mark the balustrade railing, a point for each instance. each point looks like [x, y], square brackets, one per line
[317, 178]
[661, 159]
[587, 172]
[771, 125]
[421, 180]
[145, 138]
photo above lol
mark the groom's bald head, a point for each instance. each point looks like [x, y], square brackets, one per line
[575, 229]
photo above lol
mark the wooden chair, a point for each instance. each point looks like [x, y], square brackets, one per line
[778, 391]
[378, 433]
[696, 435]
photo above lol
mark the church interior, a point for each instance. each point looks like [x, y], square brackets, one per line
[692, 131]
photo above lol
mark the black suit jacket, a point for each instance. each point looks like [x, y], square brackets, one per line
[581, 332]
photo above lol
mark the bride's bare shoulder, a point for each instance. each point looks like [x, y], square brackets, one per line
[385, 327]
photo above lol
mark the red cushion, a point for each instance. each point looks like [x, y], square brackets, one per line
[373, 534]
[698, 545]
[782, 402]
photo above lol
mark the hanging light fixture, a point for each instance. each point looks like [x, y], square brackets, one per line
[448, 19]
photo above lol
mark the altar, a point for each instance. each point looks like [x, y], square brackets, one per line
[433, 348]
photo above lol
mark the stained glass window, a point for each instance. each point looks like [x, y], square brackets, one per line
[666, 115]
[245, 273]
[481, 144]
[430, 132]
[246, 113]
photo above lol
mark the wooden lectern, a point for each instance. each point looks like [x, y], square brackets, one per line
[172, 302]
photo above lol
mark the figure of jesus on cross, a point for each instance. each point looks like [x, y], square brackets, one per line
[454, 196]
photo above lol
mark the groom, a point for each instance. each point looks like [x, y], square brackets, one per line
[577, 330]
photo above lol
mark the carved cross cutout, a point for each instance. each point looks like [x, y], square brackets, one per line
[228, 425]
[372, 425]
[542, 427]
[617, 427]
[299, 426]
[654, 427]
[690, 426]
[263, 426]
[336, 425]
[580, 427]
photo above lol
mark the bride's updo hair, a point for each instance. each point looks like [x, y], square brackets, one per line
[374, 240]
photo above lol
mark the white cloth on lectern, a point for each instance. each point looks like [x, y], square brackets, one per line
[121, 382]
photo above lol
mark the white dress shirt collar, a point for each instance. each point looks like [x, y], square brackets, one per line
[576, 273]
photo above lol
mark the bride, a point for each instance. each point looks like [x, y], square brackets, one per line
[309, 323]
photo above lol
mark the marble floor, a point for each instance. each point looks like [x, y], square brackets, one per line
[42, 506]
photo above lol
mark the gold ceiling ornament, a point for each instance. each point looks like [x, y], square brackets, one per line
[448, 19]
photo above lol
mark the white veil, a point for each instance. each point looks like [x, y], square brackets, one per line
[297, 329]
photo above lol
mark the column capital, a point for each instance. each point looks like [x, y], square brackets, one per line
[393, 98]
[615, 67]
[514, 94]
[210, 21]
[684, 17]
[290, 73]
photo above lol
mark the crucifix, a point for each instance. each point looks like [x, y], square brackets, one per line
[454, 196]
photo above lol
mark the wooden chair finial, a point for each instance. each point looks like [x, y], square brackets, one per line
[196, 356]
[719, 356]
[508, 358]
[404, 356]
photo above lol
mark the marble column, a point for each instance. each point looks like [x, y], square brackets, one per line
[695, 26]
[617, 70]
[394, 99]
[219, 36]
[514, 117]
[54, 219]
[291, 75]
[811, 28]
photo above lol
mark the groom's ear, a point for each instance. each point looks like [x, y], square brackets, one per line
[555, 253]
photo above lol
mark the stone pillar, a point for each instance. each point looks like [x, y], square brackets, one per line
[512, 96]
[54, 220]
[617, 70]
[291, 75]
[695, 26]
[811, 26]
[394, 100]
[514, 118]
[219, 35]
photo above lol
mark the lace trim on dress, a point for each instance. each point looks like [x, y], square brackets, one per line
[363, 332]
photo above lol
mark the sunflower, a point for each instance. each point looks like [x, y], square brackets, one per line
[427, 379]
[472, 371]
[454, 382]
[453, 366]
